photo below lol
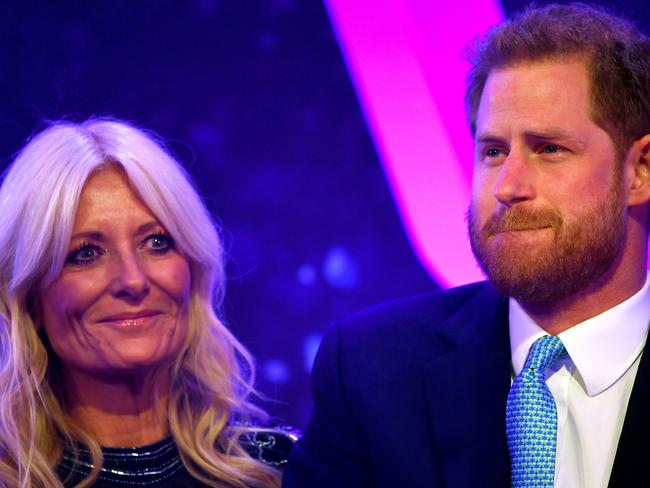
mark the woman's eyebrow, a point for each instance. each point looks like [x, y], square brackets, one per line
[93, 235]
[147, 227]
[96, 235]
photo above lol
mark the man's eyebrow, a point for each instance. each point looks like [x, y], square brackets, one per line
[488, 138]
[544, 135]
[552, 133]
[560, 136]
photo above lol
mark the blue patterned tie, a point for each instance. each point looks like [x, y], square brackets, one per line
[531, 419]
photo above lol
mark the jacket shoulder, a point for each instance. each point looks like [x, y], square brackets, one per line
[420, 311]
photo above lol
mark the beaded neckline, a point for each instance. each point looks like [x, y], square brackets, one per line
[129, 466]
[153, 464]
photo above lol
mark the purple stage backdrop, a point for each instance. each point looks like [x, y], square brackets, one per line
[327, 139]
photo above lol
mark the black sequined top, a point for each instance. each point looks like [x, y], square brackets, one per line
[158, 465]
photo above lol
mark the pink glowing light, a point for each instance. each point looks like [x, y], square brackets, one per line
[405, 60]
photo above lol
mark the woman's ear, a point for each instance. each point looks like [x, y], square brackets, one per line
[639, 159]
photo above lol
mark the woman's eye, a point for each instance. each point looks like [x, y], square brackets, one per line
[159, 243]
[84, 255]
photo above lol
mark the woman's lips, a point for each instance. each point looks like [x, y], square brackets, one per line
[131, 320]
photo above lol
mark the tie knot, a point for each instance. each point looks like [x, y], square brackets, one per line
[545, 351]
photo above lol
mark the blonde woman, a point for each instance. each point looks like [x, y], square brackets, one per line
[114, 368]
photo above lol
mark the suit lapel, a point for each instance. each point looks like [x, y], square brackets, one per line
[631, 461]
[467, 386]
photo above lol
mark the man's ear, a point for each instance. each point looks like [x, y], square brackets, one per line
[639, 160]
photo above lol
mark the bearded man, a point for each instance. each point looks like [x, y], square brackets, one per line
[536, 378]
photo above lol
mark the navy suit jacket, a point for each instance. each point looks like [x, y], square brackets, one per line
[413, 394]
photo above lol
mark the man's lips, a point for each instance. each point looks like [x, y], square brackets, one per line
[522, 229]
[514, 230]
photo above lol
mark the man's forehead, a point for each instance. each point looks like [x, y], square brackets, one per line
[548, 96]
[529, 76]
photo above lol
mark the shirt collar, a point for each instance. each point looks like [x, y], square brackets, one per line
[601, 348]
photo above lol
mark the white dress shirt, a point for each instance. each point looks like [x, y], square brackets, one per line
[591, 386]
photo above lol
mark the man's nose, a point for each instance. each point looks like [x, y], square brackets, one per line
[129, 279]
[515, 183]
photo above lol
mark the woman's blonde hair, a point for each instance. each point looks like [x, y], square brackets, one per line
[213, 376]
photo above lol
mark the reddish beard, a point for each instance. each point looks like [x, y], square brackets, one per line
[577, 253]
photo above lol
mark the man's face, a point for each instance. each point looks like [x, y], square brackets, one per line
[547, 211]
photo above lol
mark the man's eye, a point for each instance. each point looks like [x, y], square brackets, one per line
[551, 148]
[84, 255]
[159, 243]
[492, 152]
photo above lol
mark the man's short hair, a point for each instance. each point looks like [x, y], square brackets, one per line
[616, 52]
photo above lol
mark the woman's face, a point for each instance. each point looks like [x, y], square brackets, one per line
[121, 302]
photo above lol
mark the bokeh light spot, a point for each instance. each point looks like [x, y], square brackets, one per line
[306, 275]
[340, 269]
[276, 371]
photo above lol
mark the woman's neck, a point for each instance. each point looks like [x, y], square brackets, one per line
[119, 411]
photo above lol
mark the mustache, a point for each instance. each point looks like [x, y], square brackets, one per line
[519, 218]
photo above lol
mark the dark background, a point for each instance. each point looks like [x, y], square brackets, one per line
[255, 99]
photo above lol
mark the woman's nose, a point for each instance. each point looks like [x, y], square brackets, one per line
[129, 278]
